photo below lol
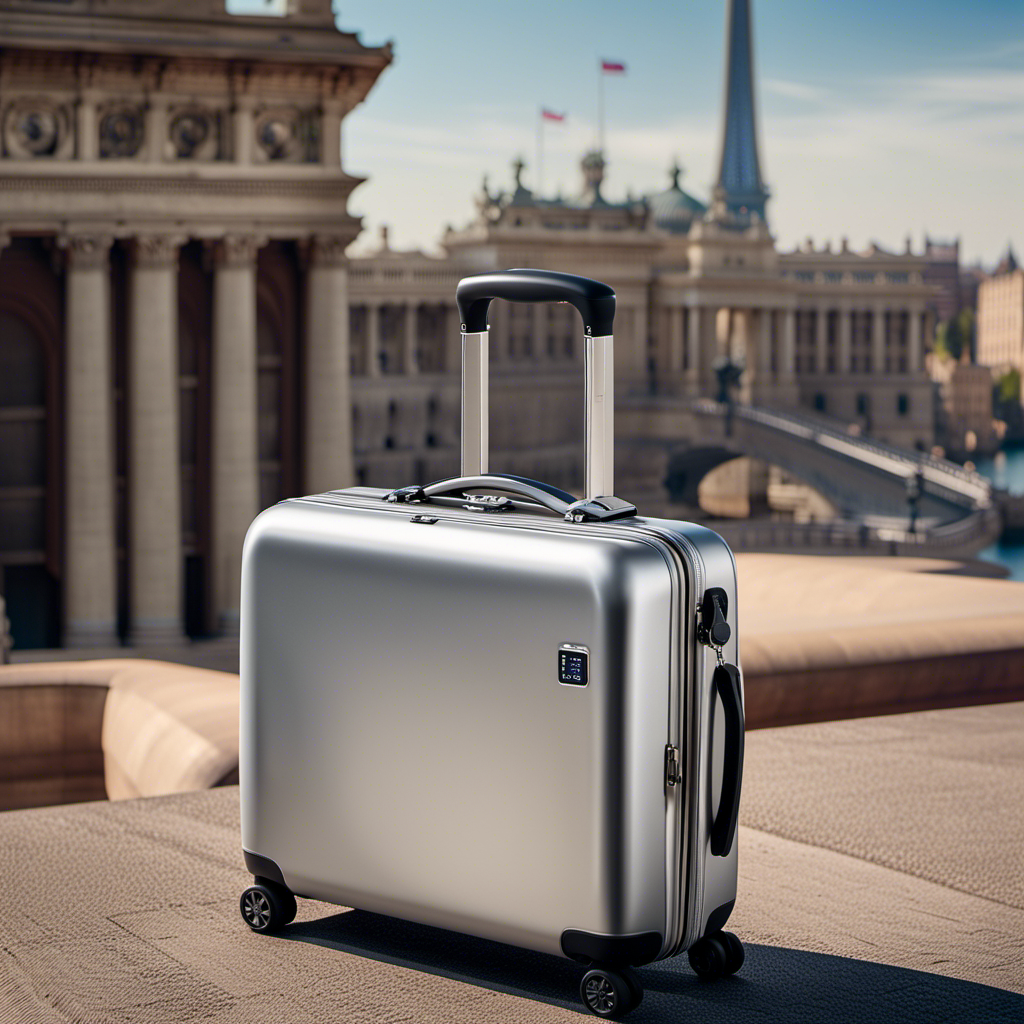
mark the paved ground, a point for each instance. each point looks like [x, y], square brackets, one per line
[880, 879]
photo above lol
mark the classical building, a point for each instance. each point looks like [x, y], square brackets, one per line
[965, 424]
[183, 342]
[943, 271]
[173, 225]
[840, 332]
[1000, 329]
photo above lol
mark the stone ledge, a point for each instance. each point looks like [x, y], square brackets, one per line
[82, 730]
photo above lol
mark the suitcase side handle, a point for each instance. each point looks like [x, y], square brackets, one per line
[596, 304]
[723, 830]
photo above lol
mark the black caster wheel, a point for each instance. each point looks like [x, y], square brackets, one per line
[267, 907]
[709, 959]
[609, 992]
[289, 907]
[734, 955]
[634, 983]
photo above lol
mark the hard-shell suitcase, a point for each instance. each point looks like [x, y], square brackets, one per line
[486, 706]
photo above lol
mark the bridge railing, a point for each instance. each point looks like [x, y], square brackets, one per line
[964, 537]
[962, 486]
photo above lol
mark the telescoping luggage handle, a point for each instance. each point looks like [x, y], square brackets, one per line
[596, 304]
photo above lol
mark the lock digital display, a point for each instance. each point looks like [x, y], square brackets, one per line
[573, 665]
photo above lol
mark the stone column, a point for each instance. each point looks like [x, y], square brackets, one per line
[90, 560]
[821, 340]
[452, 340]
[86, 126]
[410, 355]
[878, 340]
[154, 471]
[676, 341]
[787, 349]
[330, 133]
[372, 339]
[243, 128]
[694, 329]
[845, 331]
[499, 326]
[328, 411]
[913, 340]
[539, 330]
[156, 128]
[764, 346]
[235, 480]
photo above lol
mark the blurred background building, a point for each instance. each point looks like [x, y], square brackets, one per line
[184, 342]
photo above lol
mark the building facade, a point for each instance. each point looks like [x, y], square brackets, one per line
[1000, 328]
[184, 342]
[173, 302]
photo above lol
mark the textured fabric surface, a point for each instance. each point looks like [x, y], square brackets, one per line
[128, 911]
[938, 795]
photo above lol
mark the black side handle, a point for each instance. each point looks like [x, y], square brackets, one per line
[723, 831]
[594, 300]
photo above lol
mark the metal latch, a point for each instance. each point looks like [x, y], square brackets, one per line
[673, 775]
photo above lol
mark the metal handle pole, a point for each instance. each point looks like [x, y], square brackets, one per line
[475, 405]
[599, 367]
[599, 413]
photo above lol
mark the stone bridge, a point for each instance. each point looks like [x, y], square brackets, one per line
[862, 478]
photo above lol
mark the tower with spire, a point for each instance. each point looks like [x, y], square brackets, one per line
[740, 188]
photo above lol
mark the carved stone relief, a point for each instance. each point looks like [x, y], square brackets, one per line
[122, 129]
[286, 135]
[194, 133]
[36, 127]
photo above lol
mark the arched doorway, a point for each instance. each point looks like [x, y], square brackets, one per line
[28, 439]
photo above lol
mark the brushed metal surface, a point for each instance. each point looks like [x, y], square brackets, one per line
[406, 747]
[475, 403]
[599, 416]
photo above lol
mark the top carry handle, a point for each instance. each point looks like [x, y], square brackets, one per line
[596, 304]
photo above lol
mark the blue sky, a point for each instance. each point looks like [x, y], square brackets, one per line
[878, 120]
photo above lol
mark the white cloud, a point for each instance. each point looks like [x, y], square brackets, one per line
[795, 90]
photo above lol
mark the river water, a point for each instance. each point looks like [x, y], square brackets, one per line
[1006, 470]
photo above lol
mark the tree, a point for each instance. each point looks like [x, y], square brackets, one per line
[1007, 389]
[949, 341]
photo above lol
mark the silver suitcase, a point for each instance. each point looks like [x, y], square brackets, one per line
[485, 706]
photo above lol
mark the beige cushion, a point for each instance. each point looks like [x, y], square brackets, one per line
[165, 728]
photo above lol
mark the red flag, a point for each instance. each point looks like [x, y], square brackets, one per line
[550, 115]
[613, 67]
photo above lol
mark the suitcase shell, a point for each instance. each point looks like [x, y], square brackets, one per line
[407, 748]
[473, 714]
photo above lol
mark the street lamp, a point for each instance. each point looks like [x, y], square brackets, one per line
[728, 374]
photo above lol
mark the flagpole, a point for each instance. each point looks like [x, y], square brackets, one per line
[540, 153]
[600, 107]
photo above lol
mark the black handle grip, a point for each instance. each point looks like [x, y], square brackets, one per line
[544, 494]
[594, 300]
[723, 830]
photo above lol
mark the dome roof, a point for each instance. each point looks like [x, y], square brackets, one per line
[674, 209]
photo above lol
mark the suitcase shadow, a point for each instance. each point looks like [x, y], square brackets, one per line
[775, 984]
